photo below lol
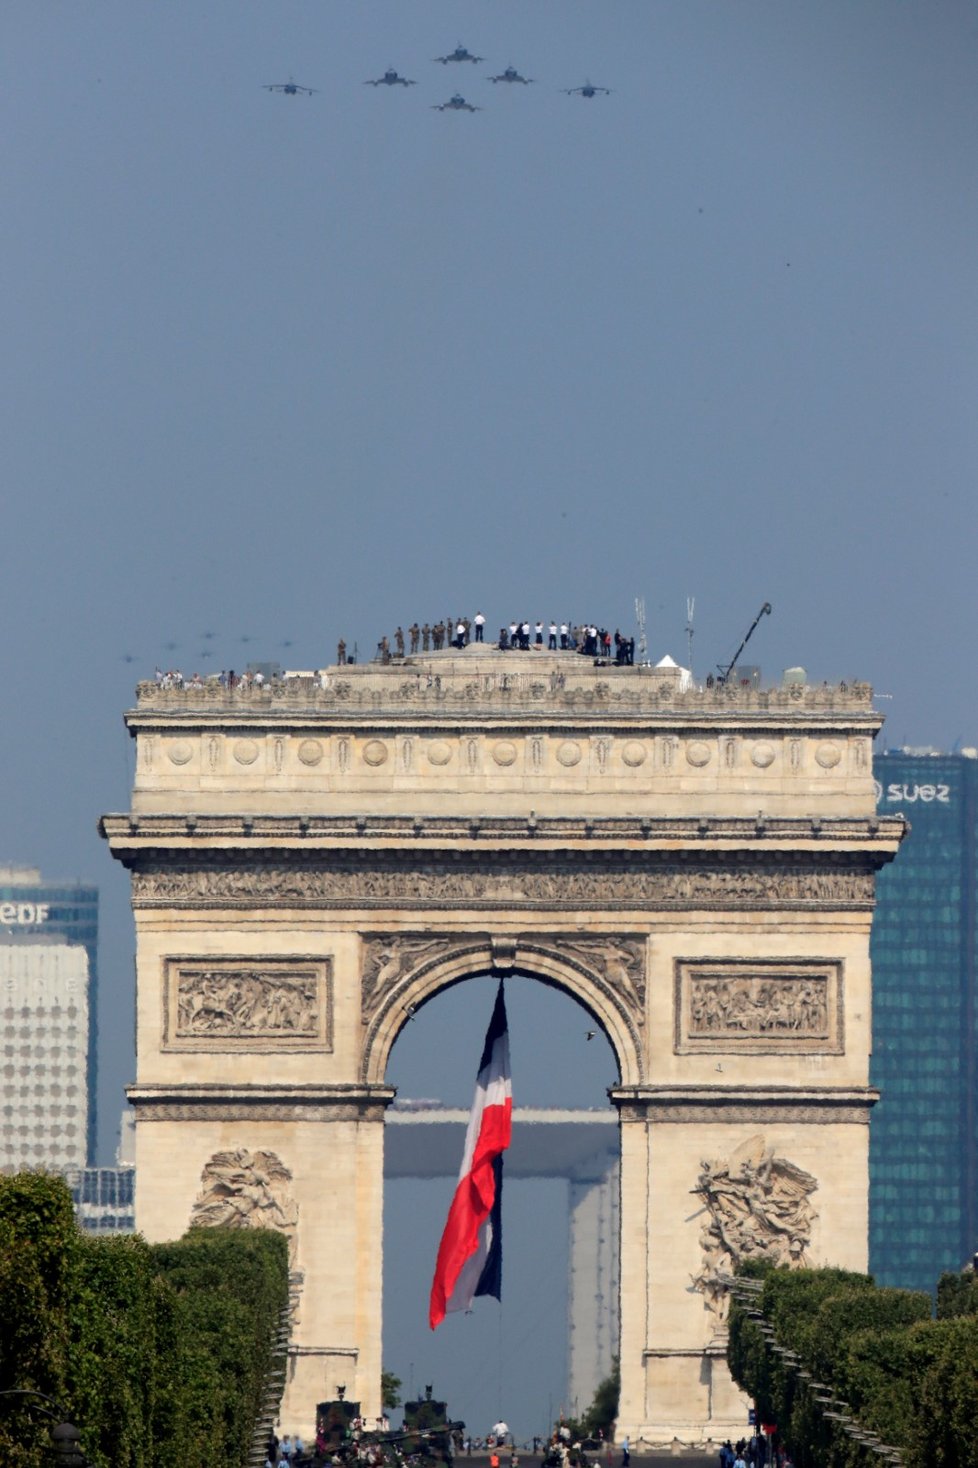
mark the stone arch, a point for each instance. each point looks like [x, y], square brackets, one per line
[401, 972]
[391, 829]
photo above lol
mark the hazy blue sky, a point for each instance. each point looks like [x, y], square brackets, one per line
[296, 368]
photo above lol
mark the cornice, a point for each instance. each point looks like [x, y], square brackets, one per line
[247, 1103]
[135, 831]
[815, 1105]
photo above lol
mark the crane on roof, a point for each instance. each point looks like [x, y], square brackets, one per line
[723, 672]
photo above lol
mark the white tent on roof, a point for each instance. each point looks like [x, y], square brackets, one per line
[685, 675]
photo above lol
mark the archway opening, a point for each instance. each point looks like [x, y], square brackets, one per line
[517, 1360]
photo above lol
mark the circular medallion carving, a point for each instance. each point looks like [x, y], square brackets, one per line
[439, 753]
[374, 752]
[698, 753]
[762, 755]
[245, 751]
[504, 753]
[310, 751]
[569, 754]
[633, 753]
[828, 755]
[181, 753]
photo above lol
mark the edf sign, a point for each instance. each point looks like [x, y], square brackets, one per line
[25, 914]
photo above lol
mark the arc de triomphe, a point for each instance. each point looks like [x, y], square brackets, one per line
[313, 860]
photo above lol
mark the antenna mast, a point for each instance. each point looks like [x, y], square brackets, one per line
[690, 608]
[643, 645]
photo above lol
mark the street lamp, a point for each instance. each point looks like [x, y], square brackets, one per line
[67, 1449]
[65, 1436]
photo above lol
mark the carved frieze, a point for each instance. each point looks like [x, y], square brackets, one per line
[758, 1006]
[758, 1207]
[227, 1004]
[480, 884]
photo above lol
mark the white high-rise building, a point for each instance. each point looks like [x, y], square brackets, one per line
[44, 1069]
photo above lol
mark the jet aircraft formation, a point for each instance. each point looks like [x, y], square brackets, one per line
[456, 103]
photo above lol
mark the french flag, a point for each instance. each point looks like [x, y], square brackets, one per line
[470, 1255]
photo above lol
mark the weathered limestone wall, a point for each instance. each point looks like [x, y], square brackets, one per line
[311, 863]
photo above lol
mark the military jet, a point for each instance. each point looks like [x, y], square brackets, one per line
[290, 88]
[390, 79]
[588, 90]
[511, 75]
[459, 54]
[455, 104]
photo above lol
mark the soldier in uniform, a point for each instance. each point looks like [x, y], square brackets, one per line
[399, 642]
[426, 638]
[414, 632]
[341, 652]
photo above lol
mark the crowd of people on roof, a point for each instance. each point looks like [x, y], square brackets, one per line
[175, 679]
[519, 635]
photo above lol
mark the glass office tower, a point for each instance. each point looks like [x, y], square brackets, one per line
[38, 913]
[923, 1155]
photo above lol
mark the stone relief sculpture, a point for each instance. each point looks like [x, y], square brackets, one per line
[239, 1002]
[758, 1006]
[620, 960]
[242, 1189]
[758, 1207]
[220, 1004]
[387, 958]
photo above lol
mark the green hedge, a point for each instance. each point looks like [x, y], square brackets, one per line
[159, 1354]
[957, 1294]
[910, 1379]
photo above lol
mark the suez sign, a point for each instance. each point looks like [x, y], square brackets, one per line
[24, 914]
[906, 794]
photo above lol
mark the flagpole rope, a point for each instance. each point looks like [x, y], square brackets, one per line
[540, 1319]
[499, 1366]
